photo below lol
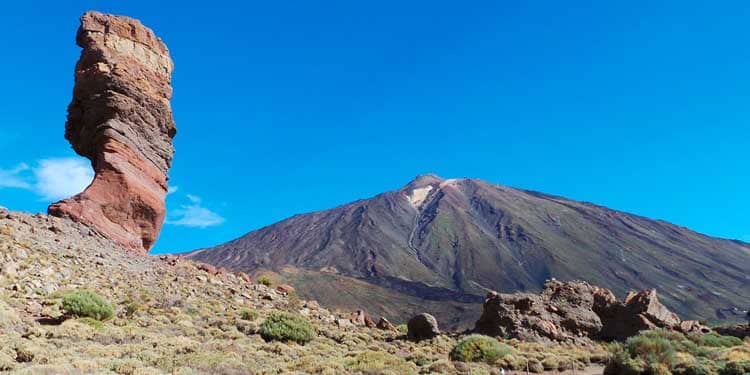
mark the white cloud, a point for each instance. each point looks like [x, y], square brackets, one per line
[172, 189]
[62, 178]
[14, 178]
[194, 215]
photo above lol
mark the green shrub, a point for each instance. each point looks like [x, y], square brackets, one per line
[696, 368]
[247, 314]
[264, 280]
[83, 303]
[736, 368]
[281, 326]
[402, 329]
[478, 348]
[622, 364]
[665, 352]
[652, 349]
[715, 340]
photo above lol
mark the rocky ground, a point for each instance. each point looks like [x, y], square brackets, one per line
[176, 316]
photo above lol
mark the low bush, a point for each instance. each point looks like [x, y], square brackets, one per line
[659, 352]
[715, 340]
[87, 304]
[264, 280]
[281, 326]
[478, 348]
[247, 314]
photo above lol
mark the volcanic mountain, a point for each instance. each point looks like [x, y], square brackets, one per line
[440, 245]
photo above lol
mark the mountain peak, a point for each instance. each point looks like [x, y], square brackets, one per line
[424, 180]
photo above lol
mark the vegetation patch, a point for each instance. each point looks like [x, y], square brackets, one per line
[281, 326]
[479, 348]
[84, 303]
[665, 352]
[247, 314]
[264, 280]
[379, 362]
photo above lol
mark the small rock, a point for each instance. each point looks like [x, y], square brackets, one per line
[10, 269]
[211, 270]
[245, 277]
[385, 325]
[285, 289]
[312, 305]
[344, 323]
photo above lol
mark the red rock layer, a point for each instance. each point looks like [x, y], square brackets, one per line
[121, 119]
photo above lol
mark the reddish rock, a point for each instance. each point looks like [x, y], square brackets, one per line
[209, 269]
[693, 326]
[170, 259]
[385, 325]
[120, 118]
[637, 312]
[562, 312]
[360, 318]
[245, 277]
[284, 288]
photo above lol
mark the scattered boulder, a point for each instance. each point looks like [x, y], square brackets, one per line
[422, 327]
[120, 118]
[693, 326]
[360, 318]
[385, 325]
[171, 260]
[285, 289]
[562, 312]
[245, 277]
[209, 269]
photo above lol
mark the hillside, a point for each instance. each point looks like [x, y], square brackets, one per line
[174, 316]
[450, 241]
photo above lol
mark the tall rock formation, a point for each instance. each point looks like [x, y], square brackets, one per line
[121, 119]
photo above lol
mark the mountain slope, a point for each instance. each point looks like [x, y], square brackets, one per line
[453, 240]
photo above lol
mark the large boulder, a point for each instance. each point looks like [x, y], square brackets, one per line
[422, 327]
[562, 312]
[120, 118]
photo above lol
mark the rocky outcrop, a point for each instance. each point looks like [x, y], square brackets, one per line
[422, 327]
[740, 330]
[637, 312]
[562, 312]
[577, 311]
[120, 118]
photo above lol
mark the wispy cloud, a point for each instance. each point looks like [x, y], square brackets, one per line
[194, 215]
[62, 178]
[172, 189]
[14, 177]
[52, 179]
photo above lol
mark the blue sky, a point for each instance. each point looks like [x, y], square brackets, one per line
[286, 107]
